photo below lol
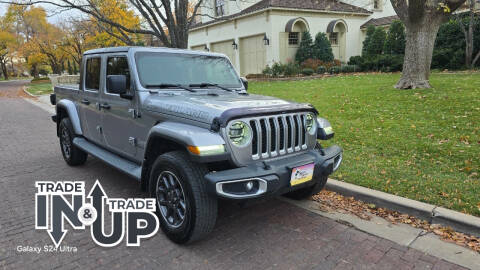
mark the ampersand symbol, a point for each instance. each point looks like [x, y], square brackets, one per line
[86, 213]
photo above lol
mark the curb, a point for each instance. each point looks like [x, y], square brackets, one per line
[433, 214]
[26, 92]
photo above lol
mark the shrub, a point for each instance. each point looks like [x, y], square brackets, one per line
[321, 70]
[40, 79]
[312, 63]
[377, 42]
[278, 69]
[292, 69]
[355, 60]
[305, 50]
[315, 63]
[447, 58]
[395, 42]
[322, 49]
[348, 69]
[267, 71]
[449, 51]
[384, 63]
[307, 71]
[334, 70]
[368, 38]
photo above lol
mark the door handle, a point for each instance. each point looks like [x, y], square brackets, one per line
[105, 106]
[85, 101]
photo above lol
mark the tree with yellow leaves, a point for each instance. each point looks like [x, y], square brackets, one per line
[7, 44]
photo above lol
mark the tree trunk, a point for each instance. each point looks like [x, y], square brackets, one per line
[34, 71]
[469, 36]
[420, 37]
[476, 59]
[4, 70]
[13, 67]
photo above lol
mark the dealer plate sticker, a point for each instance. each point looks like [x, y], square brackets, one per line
[302, 174]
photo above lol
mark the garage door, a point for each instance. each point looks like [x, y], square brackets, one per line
[198, 48]
[253, 56]
[226, 48]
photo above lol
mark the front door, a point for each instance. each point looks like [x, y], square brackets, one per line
[91, 116]
[120, 129]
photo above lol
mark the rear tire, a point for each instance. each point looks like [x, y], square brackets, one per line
[186, 211]
[73, 155]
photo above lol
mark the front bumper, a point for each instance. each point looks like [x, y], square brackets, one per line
[273, 177]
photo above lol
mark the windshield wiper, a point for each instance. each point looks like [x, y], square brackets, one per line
[168, 85]
[202, 85]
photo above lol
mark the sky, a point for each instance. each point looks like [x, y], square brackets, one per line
[54, 17]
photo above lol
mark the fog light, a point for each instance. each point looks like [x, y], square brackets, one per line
[249, 186]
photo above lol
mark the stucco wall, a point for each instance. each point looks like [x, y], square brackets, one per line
[235, 29]
[231, 7]
[386, 7]
[318, 22]
[272, 23]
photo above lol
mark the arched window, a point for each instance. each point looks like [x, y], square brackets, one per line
[337, 32]
[294, 27]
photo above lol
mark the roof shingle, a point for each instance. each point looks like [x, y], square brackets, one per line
[380, 21]
[320, 5]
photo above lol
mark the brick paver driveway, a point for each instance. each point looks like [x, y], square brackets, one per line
[273, 234]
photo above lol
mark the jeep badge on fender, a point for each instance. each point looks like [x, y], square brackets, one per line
[182, 124]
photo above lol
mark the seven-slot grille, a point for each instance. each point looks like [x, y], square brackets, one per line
[278, 135]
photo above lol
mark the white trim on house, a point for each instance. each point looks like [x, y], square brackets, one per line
[221, 21]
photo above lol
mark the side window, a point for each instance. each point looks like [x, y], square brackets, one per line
[92, 74]
[118, 65]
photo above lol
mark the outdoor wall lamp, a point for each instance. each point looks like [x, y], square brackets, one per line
[266, 41]
[234, 45]
[206, 48]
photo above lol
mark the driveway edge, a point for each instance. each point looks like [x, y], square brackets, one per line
[28, 93]
[431, 213]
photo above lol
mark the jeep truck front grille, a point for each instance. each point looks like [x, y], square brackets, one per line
[278, 135]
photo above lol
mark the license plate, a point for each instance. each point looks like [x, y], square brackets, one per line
[302, 174]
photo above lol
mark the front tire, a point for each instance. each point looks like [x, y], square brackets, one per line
[73, 155]
[186, 211]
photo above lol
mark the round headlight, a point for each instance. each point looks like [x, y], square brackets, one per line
[310, 122]
[239, 133]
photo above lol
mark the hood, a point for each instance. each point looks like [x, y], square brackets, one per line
[205, 107]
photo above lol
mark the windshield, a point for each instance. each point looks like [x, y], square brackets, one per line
[156, 68]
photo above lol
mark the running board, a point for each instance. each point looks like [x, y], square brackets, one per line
[125, 166]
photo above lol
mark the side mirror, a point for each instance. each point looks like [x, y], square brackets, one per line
[117, 84]
[245, 82]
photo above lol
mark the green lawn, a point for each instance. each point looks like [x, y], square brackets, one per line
[420, 144]
[40, 87]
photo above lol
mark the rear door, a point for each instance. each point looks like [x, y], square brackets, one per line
[120, 130]
[89, 102]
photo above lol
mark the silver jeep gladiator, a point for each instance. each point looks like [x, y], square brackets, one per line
[183, 124]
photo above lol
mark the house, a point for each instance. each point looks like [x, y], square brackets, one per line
[256, 33]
